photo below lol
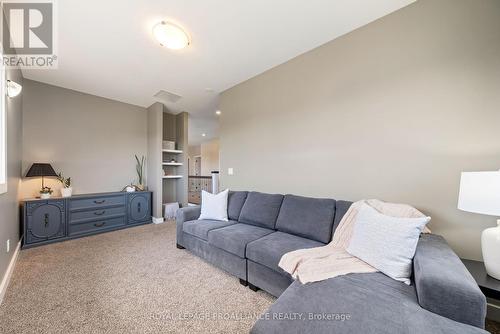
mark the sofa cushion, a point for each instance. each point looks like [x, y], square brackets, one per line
[307, 217]
[341, 208]
[355, 303]
[235, 202]
[269, 249]
[261, 209]
[200, 228]
[234, 238]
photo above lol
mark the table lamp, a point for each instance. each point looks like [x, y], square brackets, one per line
[41, 170]
[480, 193]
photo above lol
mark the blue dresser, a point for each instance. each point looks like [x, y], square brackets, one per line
[58, 219]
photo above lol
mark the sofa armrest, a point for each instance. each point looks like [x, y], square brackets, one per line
[443, 284]
[184, 215]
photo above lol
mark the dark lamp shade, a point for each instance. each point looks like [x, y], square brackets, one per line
[39, 169]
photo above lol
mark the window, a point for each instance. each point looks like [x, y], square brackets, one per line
[3, 129]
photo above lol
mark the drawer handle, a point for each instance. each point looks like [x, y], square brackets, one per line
[100, 202]
[99, 224]
[100, 213]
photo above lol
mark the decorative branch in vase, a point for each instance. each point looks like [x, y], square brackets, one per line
[66, 190]
[140, 172]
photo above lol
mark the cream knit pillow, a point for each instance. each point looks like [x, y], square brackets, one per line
[386, 243]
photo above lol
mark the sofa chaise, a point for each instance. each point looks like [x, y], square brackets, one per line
[443, 297]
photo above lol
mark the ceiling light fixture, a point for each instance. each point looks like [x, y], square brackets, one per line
[218, 112]
[13, 88]
[203, 134]
[171, 35]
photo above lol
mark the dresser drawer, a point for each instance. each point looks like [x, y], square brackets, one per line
[95, 226]
[96, 202]
[77, 217]
[58, 219]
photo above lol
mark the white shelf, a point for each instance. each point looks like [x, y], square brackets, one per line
[172, 176]
[172, 151]
[172, 164]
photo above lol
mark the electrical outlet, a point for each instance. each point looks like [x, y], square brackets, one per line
[8, 245]
[230, 171]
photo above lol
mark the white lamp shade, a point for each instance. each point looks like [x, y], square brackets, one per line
[480, 193]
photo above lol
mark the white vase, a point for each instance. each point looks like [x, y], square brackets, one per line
[45, 196]
[66, 192]
[490, 244]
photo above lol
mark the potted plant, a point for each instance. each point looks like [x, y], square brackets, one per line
[45, 193]
[66, 190]
[140, 172]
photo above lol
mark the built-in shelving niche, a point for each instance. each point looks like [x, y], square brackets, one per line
[167, 168]
[175, 174]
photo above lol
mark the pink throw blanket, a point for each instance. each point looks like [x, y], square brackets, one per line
[332, 260]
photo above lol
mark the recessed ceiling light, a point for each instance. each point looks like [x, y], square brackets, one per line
[170, 35]
[203, 134]
[218, 112]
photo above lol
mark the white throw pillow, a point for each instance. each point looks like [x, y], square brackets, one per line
[386, 243]
[214, 206]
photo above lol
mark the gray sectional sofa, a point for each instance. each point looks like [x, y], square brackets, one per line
[443, 297]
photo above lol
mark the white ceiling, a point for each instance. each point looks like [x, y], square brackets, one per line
[106, 48]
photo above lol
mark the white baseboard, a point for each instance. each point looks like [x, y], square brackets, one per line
[158, 220]
[8, 273]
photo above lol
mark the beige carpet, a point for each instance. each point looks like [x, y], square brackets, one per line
[129, 281]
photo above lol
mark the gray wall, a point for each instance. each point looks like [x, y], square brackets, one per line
[89, 138]
[9, 201]
[394, 110]
[209, 157]
[181, 131]
[155, 133]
